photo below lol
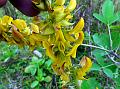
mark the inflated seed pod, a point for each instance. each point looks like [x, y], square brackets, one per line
[26, 7]
[2, 2]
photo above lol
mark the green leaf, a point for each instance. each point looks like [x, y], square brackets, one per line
[114, 18]
[108, 16]
[102, 40]
[88, 84]
[47, 79]
[31, 69]
[48, 63]
[100, 57]
[116, 27]
[7, 59]
[115, 40]
[95, 67]
[41, 62]
[40, 75]
[117, 81]
[108, 9]
[34, 59]
[99, 53]
[108, 72]
[34, 84]
[100, 18]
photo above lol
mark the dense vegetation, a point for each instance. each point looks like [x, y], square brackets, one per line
[66, 46]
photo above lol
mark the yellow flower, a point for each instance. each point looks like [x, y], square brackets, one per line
[6, 20]
[73, 51]
[65, 77]
[49, 51]
[60, 2]
[78, 27]
[79, 38]
[61, 46]
[20, 24]
[71, 6]
[34, 38]
[26, 31]
[58, 9]
[86, 64]
[77, 43]
[34, 28]
[60, 36]
[4, 23]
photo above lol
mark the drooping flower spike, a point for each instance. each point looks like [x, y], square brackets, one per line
[53, 34]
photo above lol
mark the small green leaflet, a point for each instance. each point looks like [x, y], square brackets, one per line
[108, 16]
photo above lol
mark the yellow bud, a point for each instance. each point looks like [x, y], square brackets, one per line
[26, 31]
[65, 23]
[71, 5]
[6, 20]
[34, 28]
[60, 2]
[58, 9]
[20, 24]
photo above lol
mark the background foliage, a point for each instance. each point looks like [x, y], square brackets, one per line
[23, 69]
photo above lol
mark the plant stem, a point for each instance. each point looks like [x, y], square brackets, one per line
[107, 66]
[106, 50]
[101, 48]
[110, 36]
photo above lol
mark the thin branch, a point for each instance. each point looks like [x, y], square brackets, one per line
[106, 50]
[110, 36]
[115, 62]
[93, 46]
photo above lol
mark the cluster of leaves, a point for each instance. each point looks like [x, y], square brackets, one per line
[39, 68]
[105, 49]
[16, 64]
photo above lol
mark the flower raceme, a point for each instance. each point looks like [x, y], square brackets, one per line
[53, 34]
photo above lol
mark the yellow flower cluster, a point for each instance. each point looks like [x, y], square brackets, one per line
[53, 34]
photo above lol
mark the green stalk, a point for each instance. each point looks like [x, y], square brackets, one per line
[110, 36]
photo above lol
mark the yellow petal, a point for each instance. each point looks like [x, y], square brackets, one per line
[26, 31]
[80, 38]
[68, 17]
[60, 36]
[61, 46]
[49, 51]
[6, 20]
[65, 23]
[48, 30]
[72, 5]
[73, 51]
[20, 24]
[86, 64]
[60, 2]
[65, 77]
[59, 16]
[59, 9]
[78, 27]
[69, 37]
[34, 28]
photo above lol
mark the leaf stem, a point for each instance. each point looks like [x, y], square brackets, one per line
[93, 46]
[110, 36]
[106, 50]
[102, 48]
